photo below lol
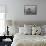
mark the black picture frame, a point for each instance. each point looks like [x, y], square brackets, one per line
[30, 9]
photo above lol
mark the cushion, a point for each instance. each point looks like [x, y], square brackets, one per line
[21, 30]
[24, 30]
[36, 30]
[28, 31]
[28, 26]
[44, 29]
[44, 26]
[13, 30]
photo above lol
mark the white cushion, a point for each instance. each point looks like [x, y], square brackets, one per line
[13, 30]
[28, 26]
[36, 30]
[42, 30]
[44, 27]
[24, 30]
[28, 31]
[33, 30]
[21, 30]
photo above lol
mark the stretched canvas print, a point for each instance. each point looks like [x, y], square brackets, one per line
[30, 9]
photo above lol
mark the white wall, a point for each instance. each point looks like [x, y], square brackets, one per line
[15, 10]
[41, 10]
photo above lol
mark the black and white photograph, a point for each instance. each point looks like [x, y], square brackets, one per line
[30, 9]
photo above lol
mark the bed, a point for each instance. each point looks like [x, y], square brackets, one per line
[29, 40]
[21, 39]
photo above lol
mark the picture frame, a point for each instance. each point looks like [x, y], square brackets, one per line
[30, 9]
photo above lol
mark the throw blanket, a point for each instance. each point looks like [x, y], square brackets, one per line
[29, 40]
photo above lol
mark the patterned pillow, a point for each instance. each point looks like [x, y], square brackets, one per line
[36, 30]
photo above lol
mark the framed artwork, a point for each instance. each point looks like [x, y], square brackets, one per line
[30, 9]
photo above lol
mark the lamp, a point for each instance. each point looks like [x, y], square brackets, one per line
[8, 23]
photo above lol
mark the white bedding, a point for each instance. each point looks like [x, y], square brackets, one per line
[29, 40]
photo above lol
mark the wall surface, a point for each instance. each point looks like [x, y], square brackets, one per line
[15, 9]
